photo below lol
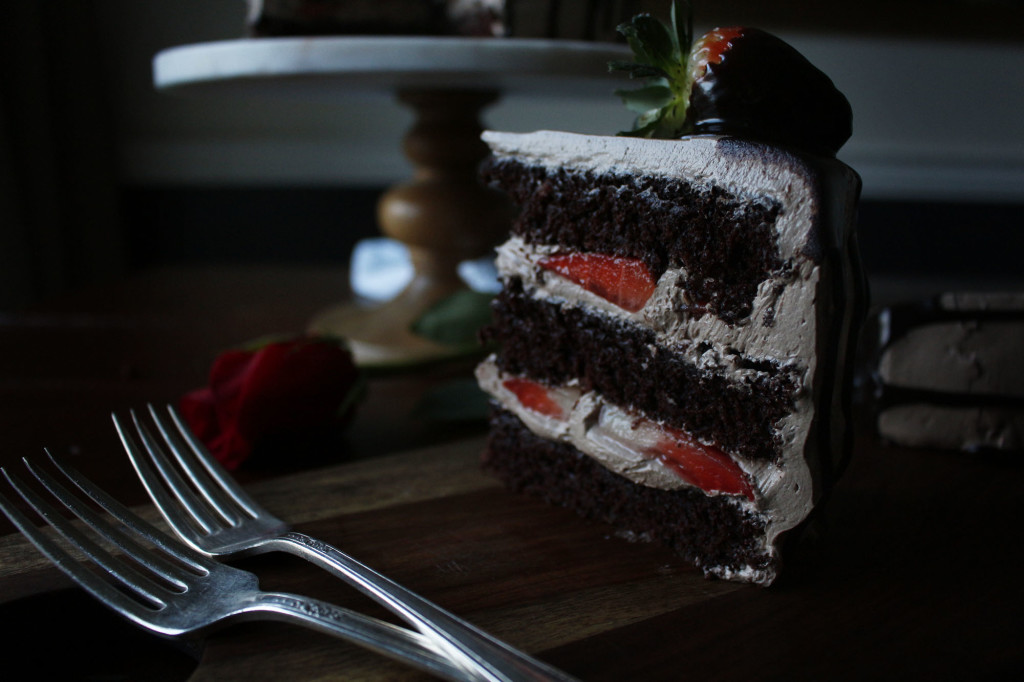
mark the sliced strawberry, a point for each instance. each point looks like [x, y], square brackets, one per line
[626, 282]
[701, 465]
[534, 396]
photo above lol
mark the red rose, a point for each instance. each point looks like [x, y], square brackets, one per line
[274, 388]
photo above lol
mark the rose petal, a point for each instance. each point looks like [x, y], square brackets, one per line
[279, 387]
[199, 410]
[296, 385]
[230, 448]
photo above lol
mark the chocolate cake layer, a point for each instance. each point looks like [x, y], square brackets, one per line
[624, 362]
[710, 532]
[726, 246]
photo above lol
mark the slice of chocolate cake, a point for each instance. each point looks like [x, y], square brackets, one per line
[674, 327]
[947, 372]
[677, 315]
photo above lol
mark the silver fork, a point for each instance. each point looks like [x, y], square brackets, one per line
[166, 587]
[214, 515]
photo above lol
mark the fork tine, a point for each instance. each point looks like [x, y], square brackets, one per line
[172, 495]
[128, 576]
[70, 565]
[129, 520]
[148, 592]
[213, 468]
[187, 451]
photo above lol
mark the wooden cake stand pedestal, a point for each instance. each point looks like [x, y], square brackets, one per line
[443, 215]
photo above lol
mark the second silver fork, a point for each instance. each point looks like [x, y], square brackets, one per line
[168, 588]
[213, 514]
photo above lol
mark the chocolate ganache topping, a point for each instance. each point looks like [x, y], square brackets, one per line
[738, 81]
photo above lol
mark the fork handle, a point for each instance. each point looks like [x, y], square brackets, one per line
[493, 659]
[395, 642]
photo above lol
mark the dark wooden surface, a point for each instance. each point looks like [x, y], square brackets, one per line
[915, 578]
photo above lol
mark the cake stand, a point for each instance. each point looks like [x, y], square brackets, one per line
[443, 215]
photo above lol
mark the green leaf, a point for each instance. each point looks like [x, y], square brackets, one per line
[459, 400]
[455, 321]
[682, 36]
[639, 130]
[654, 41]
[647, 98]
[638, 70]
[661, 55]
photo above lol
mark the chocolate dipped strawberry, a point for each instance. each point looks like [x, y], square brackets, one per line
[757, 86]
[736, 81]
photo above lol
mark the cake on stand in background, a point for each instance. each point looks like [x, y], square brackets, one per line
[442, 215]
[946, 373]
[561, 19]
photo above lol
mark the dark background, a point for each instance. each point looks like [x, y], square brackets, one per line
[76, 93]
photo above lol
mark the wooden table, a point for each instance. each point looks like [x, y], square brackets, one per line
[916, 577]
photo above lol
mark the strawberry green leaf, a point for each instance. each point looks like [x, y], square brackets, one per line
[645, 99]
[651, 41]
[682, 36]
[642, 129]
[661, 54]
[637, 70]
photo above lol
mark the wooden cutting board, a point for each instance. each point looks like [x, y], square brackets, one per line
[908, 581]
